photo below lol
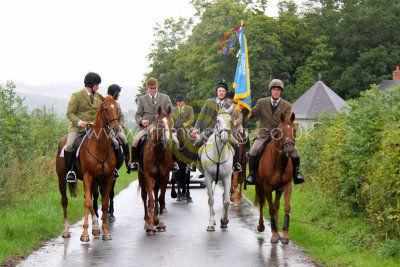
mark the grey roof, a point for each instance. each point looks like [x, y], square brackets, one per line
[317, 99]
[387, 84]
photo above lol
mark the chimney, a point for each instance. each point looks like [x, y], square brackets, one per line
[396, 74]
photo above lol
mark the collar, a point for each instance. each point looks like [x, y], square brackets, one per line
[277, 101]
[217, 102]
[88, 93]
[155, 96]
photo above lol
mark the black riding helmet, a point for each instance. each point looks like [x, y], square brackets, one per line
[91, 79]
[230, 95]
[113, 88]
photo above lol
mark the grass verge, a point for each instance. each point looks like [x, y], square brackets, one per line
[335, 238]
[28, 224]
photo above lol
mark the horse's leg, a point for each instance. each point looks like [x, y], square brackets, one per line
[187, 182]
[240, 187]
[211, 221]
[260, 196]
[235, 187]
[179, 181]
[226, 202]
[277, 201]
[95, 199]
[275, 235]
[143, 193]
[156, 189]
[64, 202]
[111, 208]
[87, 183]
[287, 190]
[150, 204]
[173, 181]
[105, 204]
[161, 226]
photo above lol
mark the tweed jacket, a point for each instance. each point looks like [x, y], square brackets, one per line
[80, 108]
[186, 116]
[267, 120]
[146, 110]
[237, 117]
[208, 115]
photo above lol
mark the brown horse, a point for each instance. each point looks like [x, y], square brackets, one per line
[154, 170]
[275, 173]
[97, 162]
[239, 177]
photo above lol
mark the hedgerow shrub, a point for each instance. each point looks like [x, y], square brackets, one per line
[355, 156]
[28, 141]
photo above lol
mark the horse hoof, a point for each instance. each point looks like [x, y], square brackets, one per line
[275, 239]
[285, 240]
[210, 228]
[189, 200]
[161, 228]
[224, 226]
[66, 235]
[151, 231]
[224, 223]
[164, 210]
[111, 218]
[106, 237]
[84, 238]
[261, 228]
[173, 194]
[96, 232]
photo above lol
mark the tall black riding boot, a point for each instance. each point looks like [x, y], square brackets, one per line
[69, 158]
[297, 176]
[127, 157]
[251, 179]
[236, 164]
[134, 166]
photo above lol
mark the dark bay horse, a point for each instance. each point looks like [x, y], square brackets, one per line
[275, 173]
[97, 162]
[239, 177]
[184, 157]
[154, 170]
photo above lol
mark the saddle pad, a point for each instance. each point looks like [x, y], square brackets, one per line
[79, 147]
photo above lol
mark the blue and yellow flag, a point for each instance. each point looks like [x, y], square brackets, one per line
[242, 76]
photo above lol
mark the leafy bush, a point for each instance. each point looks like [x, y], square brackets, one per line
[28, 142]
[355, 156]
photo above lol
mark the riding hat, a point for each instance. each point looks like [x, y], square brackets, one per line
[113, 88]
[152, 83]
[91, 79]
[180, 98]
[223, 85]
[230, 95]
[276, 83]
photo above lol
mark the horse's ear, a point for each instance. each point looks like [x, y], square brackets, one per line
[292, 117]
[169, 110]
[115, 96]
[159, 110]
[101, 97]
[282, 117]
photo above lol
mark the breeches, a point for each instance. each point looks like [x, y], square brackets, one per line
[257, 145]
[143, 132]
[70, 141]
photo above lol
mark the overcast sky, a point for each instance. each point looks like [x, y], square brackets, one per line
[55, 41]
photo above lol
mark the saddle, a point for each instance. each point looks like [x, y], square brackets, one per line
[140, 149]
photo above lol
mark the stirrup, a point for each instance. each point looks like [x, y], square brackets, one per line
[237, 167]
[116, 174]
[251, 179]
[71, 177]
[298, 179]
[175, 167]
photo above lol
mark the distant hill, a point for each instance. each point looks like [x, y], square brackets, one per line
[58, 95]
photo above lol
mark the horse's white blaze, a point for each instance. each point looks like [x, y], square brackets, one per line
[112, 106]
[166, 128]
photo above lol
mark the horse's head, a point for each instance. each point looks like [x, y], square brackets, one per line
[223, 125]
[286, 133]
[109, 112]
[163, 127]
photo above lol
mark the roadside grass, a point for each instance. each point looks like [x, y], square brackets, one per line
[335, 238]
[27, 224]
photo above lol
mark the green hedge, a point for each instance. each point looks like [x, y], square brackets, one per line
[355, 157]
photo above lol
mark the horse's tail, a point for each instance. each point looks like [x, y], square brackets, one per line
[73, 189]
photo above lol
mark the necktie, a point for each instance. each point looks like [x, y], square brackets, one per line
[274, 103]
[153, 99]
[91, 98]
[180, 110]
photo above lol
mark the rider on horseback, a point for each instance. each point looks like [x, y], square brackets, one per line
[206, 121]
[121, 138]
[145, 114]
[81, 110]
[269, 109]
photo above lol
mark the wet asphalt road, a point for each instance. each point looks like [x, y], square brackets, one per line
[185, 243]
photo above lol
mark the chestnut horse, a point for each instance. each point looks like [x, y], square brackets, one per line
[97, 162]
[239, 177]
[154, 170]
[275, 173]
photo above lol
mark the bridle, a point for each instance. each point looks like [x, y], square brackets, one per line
[284, 144]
